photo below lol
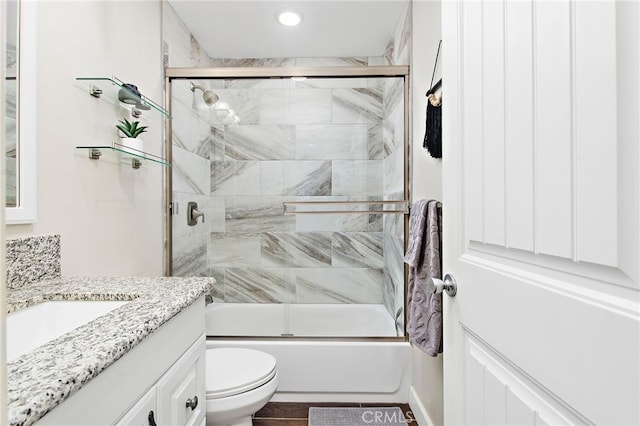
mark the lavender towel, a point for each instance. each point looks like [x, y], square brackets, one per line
[424, 308]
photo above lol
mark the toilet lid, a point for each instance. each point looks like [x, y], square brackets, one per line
[231, 371]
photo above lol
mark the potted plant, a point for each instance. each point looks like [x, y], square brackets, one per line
[131, 130]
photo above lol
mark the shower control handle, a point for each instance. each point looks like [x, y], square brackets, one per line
[449, 285]
[193, 213]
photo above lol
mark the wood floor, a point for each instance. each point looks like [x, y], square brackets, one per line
[296, 413]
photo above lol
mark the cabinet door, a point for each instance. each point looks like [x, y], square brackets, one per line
[144, 413]
[181, 391]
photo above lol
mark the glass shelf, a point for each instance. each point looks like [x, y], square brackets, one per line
[136, 157]
[96, 91]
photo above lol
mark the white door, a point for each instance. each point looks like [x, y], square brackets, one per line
[541, 203]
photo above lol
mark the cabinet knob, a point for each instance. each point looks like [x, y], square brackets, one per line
[152, 421]
[192, 403]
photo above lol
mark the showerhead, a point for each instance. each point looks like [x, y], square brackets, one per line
[209, 96]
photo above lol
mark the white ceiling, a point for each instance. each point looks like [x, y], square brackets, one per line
[248, 29]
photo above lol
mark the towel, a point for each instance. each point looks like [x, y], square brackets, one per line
[424, 308]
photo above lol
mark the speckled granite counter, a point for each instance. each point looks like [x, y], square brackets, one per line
[43, 378]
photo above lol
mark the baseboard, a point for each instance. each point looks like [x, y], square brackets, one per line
[419, 411]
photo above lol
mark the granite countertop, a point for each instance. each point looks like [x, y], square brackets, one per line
[41, 379]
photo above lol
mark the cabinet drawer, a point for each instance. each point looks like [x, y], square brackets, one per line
[181, 391]
[140, 414]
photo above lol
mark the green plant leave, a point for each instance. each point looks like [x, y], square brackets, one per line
[130, 128]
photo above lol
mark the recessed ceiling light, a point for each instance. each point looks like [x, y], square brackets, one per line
[289, 18]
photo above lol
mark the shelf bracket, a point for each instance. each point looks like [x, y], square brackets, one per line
[135, 163]
[94, 154]
[95, 91]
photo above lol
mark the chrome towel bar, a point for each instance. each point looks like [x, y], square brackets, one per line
[403, 204]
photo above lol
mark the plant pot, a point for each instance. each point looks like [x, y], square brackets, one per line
[132, 146]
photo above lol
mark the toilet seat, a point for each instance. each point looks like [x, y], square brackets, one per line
[232, 371]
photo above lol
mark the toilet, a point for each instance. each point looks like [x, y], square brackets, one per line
[239, 382]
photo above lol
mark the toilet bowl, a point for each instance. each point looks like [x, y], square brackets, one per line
[239, 382]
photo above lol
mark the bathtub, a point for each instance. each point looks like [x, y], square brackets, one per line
[321, 349]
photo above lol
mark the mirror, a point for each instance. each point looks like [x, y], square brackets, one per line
[20, 112]
[11, 83]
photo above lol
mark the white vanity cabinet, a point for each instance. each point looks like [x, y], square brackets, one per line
[181, 392]
[178, 398]
[161, 374]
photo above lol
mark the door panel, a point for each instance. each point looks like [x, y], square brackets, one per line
[541, 212]
[519, 191]
[492, 115]
[510, 396]
[181, 391]
[472, 124]
[596, 134]
[552, 154]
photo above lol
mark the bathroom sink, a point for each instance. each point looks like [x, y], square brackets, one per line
[36, 325]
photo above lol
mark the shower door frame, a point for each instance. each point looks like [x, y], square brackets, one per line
[288, 72]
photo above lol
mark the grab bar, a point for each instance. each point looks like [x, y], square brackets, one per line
[404, 207]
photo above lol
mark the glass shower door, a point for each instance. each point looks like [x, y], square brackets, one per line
[302, 183]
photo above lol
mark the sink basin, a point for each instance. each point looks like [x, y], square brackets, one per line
[36, 325]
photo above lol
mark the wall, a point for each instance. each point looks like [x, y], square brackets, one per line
[426, 172]
[109, 215]
[427, 391]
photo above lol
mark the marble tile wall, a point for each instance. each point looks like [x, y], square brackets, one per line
[398, 53]
[328, 144]
[311, 140]
[180, 48]
[398, 50]
[32, 259]
[195, 139]
[317, 139]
